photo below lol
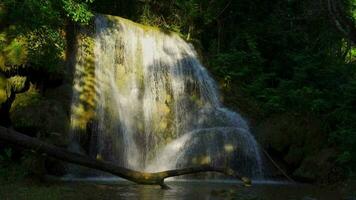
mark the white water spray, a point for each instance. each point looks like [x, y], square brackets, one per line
[158, 108]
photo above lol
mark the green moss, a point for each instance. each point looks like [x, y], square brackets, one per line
[146, 28]
[31, 97]
[83, 110]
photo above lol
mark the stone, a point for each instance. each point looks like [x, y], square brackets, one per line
[317, 167]
[38, 116]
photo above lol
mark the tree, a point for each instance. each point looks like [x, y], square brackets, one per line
[342, 19]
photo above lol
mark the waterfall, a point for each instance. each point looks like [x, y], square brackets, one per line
[156, 107]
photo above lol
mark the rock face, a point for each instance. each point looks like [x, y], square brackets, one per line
[299, 143]
[318, 166]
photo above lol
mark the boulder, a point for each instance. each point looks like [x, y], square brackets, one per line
[299, 143]
[34, 114]
[319, 166]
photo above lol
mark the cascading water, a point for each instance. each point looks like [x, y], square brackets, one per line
[157, 108]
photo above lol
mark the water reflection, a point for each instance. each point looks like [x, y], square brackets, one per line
[215, 189]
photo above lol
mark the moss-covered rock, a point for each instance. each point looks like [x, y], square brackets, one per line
[295, 140]
[33, 114]
[62, 93]
[84, 95]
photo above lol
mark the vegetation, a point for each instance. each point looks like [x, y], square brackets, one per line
[277, 61]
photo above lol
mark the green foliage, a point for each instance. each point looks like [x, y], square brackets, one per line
[13, 52]
[36, 32]
[44, 43]
[16, 52]
[36, 13]
[78, 11]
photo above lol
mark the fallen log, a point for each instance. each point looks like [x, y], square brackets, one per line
[156, 178]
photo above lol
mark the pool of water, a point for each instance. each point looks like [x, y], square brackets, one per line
[116, 189]
[203, 189]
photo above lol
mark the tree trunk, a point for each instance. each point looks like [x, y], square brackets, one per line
[345, 24]
[156, 178]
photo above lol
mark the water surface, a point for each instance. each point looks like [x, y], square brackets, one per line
[203, 189]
